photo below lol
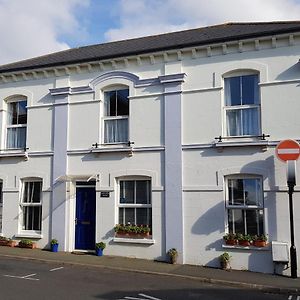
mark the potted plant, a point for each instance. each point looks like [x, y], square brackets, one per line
[172, 254]
[4, 241]
[54, 245]
[99, 247]
[244, 239]
[25, 243]
[230, 239]
[120, 230]
[224, 260]
[132, 231]
[144, 231]
[260, 240]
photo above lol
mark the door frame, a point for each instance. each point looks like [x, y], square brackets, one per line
[77, 184]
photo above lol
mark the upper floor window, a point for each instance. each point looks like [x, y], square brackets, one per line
[242, 105]
[116, 113]
[16, 124]
[244, 205]
[31, 204]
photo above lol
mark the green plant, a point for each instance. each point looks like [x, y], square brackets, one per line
[25, 242]
[144, 229]
[239, 237]
[229, 236]
[261, 237]
[100, 245]
[54, 242]
[224, 260]
[131, 228]
[119, 228]
[225, 257]
[243, 237]
[3, 238]
[246, 238]
[172, 254]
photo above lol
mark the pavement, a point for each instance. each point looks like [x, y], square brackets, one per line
[234, 278]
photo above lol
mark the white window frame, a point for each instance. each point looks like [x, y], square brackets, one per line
[28, 204]
[12, 126]
[240, 107]
[229, 206]
[108, 118]
[133, 205]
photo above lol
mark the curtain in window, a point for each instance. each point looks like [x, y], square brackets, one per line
[9, 114]
[242, 122]
[250, 121]
[16, 137]
[116, 131]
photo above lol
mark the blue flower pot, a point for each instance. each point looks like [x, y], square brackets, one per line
[99, 252]
[54, 248]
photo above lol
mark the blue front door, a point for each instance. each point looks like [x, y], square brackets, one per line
[85, 218]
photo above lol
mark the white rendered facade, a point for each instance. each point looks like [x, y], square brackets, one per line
[176, 114]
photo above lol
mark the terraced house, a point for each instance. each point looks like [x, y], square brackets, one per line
[175, 132]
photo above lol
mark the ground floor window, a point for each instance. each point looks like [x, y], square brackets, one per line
[134, 205]
[31, 205]
[244, 205]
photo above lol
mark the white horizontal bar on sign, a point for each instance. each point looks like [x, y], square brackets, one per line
[288, 151]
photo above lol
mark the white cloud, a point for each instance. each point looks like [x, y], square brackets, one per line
[144, 17]
[33, 27]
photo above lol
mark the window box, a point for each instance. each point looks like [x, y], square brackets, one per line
[260, 244]
[132, 231]
[7, 242]
[27, 244]
[133, 235]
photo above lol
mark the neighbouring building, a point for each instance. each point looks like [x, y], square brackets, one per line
[174, 131]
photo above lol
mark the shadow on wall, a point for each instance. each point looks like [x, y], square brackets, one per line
[290, 73]
[260, 261]
[210, 221]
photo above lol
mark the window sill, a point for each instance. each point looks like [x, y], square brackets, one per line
[133, 240]
[110, 148]
[29, 235]
[13, 153]
[237, 247]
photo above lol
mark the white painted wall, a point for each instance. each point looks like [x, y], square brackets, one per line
[203, 167]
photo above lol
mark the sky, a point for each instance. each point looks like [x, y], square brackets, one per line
[30, 28]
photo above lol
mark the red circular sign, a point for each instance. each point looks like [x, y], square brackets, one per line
[288, 150]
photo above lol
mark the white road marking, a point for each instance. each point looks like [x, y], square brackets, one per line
[290, 297]
[298, 297]
[30, 275]
[27, 277]
[145, 297]
[152, 298]
[56, 269]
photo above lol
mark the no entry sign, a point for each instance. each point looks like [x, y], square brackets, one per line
[288, 150]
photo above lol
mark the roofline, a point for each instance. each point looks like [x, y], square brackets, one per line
[157, 49]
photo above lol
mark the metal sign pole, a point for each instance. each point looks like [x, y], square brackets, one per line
[291, 181]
